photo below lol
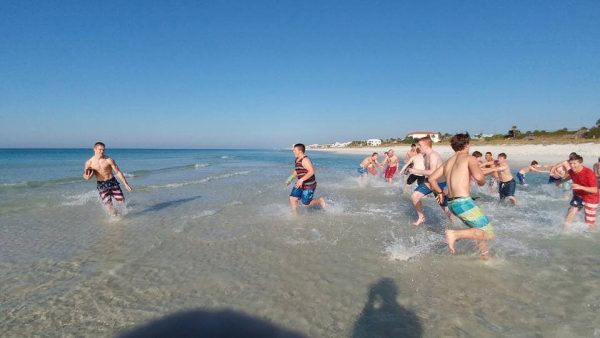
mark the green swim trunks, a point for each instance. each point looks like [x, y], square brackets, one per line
[465, 209]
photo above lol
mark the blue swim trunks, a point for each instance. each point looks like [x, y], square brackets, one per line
[507, 188]
[521, 178]
[362, 171]
[424, 189]
[305, 195]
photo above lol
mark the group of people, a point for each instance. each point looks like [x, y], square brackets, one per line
[450, 181]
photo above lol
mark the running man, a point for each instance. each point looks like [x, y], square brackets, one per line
[108, 187]
[369, 165]
[534, 166]
[458, 170]
[306, 182]
[560, 170]
[411, 152]
[392, 166]
[506, 182]
[585, 192]
[433, 160]
[489, 163]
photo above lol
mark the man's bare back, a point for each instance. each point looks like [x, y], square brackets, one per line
[458, 170]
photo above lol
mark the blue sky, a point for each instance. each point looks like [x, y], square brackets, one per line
[248, 74]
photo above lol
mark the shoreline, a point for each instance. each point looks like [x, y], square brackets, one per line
[522, 154]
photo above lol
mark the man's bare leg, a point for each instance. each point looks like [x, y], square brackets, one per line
[477, 234]
[416, 200]
[512, 199]
[294, 204]
[570, 217]
[484, 251]
[318, 202]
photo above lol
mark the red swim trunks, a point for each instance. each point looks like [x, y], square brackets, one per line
[390, 171]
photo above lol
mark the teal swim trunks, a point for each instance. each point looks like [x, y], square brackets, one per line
[465, 209]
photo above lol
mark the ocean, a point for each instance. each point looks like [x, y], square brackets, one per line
[212, 230]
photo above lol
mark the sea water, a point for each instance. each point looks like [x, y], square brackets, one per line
[212, 229]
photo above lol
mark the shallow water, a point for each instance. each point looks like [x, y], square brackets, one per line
[212, 229]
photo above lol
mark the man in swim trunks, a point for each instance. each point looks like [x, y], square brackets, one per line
[506, 182]
[306, 182]
[433, 160]
[585, 192]
[369, 165]
[392, 166]
[560, 170]
[488, 163]
[108, 187]
[534, 166]
[411, 152]
[458, 170]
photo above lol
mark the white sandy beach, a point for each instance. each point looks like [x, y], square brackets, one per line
[518, 154]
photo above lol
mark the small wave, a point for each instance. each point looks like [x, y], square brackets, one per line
[205, 213]
[204, 180]
[224, 157]
[81, 199]
[404, 249]
[200, 165]
[39, 184]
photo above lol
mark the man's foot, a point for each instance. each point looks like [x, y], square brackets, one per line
[420, 221]
[323, 203]
[484, 255]
[451, 238]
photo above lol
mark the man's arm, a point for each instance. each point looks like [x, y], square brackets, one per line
[115, 168]
[476, 171]
[538, 170]
[87, 171]
[407, 163]
[435, 187]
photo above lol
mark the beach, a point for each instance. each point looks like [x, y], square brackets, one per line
[212, 230]
[520, 154]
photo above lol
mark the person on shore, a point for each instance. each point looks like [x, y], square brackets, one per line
[433, 160]
[108, 187]
[585, 192]
[392, 166]
[369, 165]
[534, 166]
[506, 182]
[306, 181]
[458, 170]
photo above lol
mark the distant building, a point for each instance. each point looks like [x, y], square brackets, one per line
[373, 142]
[435, 136]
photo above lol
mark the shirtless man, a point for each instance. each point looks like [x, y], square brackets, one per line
[433, 160]
[369, 165]
[506, 182]
[103, 167]
[488, 163]
[596, 169]
[410, 153]
[458, 170]
[392, 166]
[306, 182]
[417, 162]
[534, 166]
[560, 170]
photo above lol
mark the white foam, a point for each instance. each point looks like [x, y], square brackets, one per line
[81, 199]
[200, 165]
[204, 180]
[403, 249]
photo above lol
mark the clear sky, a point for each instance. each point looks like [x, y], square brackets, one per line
[248, 74]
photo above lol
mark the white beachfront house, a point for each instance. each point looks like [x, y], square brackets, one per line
[435, 136]
[373, 142]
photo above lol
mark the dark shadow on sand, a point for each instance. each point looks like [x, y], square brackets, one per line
[164, 205]
[382, 316]
[210, 324]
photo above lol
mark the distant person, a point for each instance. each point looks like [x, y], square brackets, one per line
[506, 182]
[489, 163]
[108, 187]
[458, 170]
[585, 192]
[369, 165]
[306, 181]
[597, 169]
[433, 160]
[534, 166]
[392, 166]
[417, 162]
[411, 152]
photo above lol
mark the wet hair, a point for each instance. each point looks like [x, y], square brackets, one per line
[373, 154]
[477, 154]
[460, 141]
[577, 158]
[488, 153]
[534, 162]
[502, 155]
[300, 146]
[99, 144]
[427, 141]
[412, 145]
[573, 155]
